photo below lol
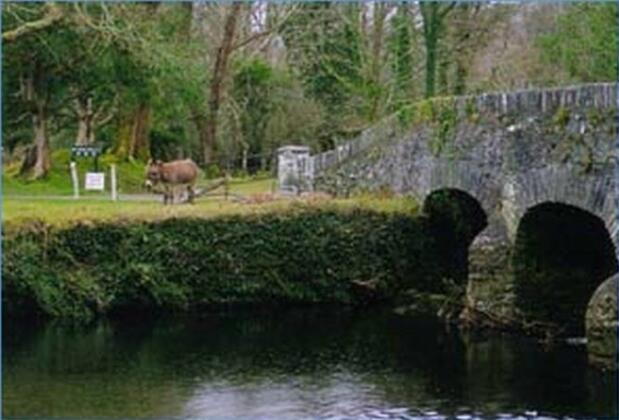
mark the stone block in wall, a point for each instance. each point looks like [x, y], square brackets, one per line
[490, 297]
[602, 325]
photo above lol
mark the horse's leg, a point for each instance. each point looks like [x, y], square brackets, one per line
[190, 193]
[166, 195]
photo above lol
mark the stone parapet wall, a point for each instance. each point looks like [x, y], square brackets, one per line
[384, 129]
[481, 152]
[540, 101]
[478, 117]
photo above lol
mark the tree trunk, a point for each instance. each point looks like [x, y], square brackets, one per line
[461, 75]
[37, 161]
[85, 128]
[380, 12]
[401, 50]
[133, 135]
[433, 16]
[430, 67]
[208, 147]
[208, 136]
[263, 162]
[443, 74]
[244, 157]
[41, 140]
[140, 146]
[430, 36]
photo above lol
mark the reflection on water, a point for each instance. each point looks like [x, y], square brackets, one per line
[294, 364]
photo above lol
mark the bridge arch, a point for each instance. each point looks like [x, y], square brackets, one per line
[562, 253]
[466, 176]
[565, 184]
[455, 218]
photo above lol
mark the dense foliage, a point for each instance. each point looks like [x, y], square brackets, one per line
[305, 256]
[226, 84]
[583, 46]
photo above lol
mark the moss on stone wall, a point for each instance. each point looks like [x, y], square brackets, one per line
[439, 114]
[444, 124]
[561, 117]
[471, 112]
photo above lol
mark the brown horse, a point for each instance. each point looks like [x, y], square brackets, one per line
[178, 173]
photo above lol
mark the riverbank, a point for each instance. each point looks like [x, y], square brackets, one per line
[150, 259]
[303, 253]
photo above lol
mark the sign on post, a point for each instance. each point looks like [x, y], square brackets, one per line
[95, 181]
[85, 151]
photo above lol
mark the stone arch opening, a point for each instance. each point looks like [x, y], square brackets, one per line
[561, 255]
[455, 218]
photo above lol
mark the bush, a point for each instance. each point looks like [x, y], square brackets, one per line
[212, 171]
[301, 257]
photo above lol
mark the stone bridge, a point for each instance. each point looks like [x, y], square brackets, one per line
[531, 175]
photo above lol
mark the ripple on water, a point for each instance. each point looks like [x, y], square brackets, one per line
[329, 367]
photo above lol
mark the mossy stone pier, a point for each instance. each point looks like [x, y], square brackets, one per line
[539, 164]
[602, 324]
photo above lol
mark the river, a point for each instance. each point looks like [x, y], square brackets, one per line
[293, 364]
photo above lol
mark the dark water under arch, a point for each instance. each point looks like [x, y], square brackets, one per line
[562, 254]
[455, 218]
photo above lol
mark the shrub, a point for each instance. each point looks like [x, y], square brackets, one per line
[299, 257]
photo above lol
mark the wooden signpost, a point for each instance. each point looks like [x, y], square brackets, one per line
[95, 180]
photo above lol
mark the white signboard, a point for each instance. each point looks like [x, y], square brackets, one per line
[95, 181]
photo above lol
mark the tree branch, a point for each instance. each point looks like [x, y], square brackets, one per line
[19, 119]
[53, 15]
[267, 32]
[446, 10]
[250, 39]
[99, 119]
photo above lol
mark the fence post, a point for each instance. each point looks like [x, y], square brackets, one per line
[113, 181]
[226, 185]
[76, 185]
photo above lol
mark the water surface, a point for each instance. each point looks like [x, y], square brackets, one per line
[294, 364]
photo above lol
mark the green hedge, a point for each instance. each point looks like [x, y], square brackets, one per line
[309, 256]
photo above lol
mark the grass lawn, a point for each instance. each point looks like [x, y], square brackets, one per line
[58, 180]
[61, 212]
[130, 178]
[50, 200]
[65, 211]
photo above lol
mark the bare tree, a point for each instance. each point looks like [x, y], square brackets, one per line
[235, 34]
